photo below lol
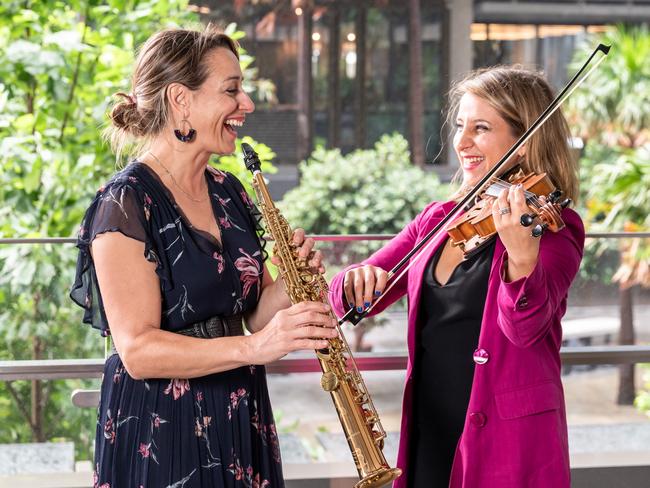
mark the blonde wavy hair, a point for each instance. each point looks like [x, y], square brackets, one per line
[520, 96]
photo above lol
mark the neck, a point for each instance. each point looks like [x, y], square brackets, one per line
[186, 165]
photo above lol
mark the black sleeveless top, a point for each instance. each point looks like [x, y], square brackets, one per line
[450, 322]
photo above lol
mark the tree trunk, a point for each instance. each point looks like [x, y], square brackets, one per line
[626, 390]
[37, 423]
[389, 82]
[360, 330]
[333, 95]
[360, 77]
[416, 99]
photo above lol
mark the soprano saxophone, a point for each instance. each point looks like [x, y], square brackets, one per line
[341, 378]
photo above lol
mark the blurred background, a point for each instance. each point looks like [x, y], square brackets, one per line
[349, 98]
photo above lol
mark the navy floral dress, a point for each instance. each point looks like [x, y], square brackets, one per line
[213, 431]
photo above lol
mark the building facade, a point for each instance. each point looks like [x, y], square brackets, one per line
[347, 72]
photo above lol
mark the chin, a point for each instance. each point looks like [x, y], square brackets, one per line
[472, 178]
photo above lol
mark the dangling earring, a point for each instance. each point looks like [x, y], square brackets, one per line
[189, 135]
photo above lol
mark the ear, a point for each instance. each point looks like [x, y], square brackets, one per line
[522, 151]
[178, 97]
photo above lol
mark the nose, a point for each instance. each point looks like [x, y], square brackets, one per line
[462, 140]
[246, 105]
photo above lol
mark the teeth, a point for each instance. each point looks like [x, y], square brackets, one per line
[475, 159]
[237, 123]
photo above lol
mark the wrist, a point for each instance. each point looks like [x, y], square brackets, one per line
[280, 294]
[248, 349]
[519, 268]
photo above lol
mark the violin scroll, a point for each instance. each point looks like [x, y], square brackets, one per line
[548, 213]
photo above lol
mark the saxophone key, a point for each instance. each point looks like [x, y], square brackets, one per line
[329, 381]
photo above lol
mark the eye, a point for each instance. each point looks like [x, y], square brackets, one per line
[459, 126]
[482, 128]
[232, 91]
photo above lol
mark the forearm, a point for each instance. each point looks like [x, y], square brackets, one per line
[272, 299]
[528, 304]
[521, 266]
[157, 353]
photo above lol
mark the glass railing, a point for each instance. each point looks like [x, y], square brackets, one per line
[603, 433]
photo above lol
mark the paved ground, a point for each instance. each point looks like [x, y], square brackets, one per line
[305, 411]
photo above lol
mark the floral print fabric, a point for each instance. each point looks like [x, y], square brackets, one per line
[213, 431]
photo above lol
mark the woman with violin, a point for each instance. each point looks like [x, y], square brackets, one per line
[483, 402]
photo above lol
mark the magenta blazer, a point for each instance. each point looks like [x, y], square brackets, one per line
[515, 432]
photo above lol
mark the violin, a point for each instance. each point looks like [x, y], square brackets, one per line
[475, 228]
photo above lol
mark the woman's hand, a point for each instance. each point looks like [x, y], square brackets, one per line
[523, 249]
[362, 285]
[305, 325]
[305, 252]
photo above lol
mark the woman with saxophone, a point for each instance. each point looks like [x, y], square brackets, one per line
[483, 402]
[170, 265]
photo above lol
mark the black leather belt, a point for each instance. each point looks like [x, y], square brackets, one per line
[214, 327]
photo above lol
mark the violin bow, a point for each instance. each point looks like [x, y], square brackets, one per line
[421, 247]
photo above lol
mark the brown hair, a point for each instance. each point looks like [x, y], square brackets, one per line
[169, 56]
[520, 96]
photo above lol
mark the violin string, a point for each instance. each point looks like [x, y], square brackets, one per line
[531, 197]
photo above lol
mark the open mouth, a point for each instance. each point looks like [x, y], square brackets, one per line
[231, 126]
[471, 162]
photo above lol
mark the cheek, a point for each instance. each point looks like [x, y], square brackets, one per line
[456, 141]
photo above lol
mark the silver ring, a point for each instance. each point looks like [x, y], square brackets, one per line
[505, 210]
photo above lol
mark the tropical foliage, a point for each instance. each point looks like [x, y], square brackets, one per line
[60, 63]
[373, 191]
[612, 111]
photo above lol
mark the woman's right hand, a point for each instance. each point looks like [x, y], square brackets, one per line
[305, 325]
[362, 285]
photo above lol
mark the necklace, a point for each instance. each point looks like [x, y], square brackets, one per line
[187, 194]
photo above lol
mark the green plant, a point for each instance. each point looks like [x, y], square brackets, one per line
[373, 191]
[642, 401]
[60, 63]
[611, 111]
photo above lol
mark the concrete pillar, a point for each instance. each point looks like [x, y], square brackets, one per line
[457, 60]
[304, 82]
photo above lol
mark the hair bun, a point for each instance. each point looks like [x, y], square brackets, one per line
[125, 115]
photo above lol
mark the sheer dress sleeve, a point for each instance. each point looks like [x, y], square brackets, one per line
[116, 208]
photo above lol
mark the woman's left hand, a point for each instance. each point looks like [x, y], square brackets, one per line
[305, 249]
[523, 249]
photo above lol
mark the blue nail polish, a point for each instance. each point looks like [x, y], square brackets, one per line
[377, 293]
[359, 309]
[351, 304]
[366, 304]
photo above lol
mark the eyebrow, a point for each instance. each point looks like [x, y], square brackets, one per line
[234, 77]
[474, 120]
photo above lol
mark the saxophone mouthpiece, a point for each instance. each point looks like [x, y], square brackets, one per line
[251, 160]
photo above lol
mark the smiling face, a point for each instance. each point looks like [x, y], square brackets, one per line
[482, 137]
[220, 105]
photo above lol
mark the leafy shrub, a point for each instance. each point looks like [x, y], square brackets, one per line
[370, 191]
